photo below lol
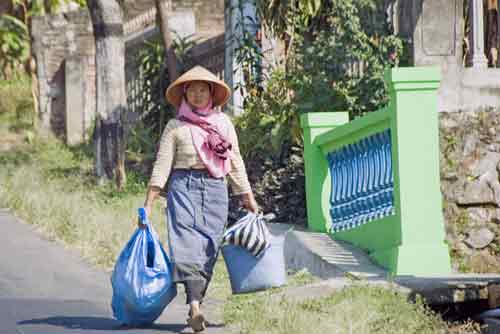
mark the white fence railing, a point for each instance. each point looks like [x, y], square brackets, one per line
[479, 59]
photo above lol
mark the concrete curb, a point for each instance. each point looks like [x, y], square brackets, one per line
[340, 264]
[324, 257]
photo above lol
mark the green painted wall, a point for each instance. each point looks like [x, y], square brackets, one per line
[318, 180]
[412, 241]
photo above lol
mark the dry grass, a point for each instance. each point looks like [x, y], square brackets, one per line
[16, 113]
[52, 188]
[465, 327]
[16, 104]
[358, 309]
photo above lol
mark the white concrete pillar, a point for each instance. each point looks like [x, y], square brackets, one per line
[479, 59]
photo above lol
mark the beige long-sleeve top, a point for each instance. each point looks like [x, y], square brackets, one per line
[178, 151]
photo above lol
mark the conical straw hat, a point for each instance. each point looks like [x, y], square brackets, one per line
[175, 91]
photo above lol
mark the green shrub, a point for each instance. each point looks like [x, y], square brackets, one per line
[16, 104]
[335, 62]
[270, 119]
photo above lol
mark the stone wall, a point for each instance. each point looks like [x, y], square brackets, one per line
[470, 169]
[57, 38]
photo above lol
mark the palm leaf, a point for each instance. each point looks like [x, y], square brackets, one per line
[14, 22]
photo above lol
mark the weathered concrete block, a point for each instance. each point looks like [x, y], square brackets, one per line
[75, 94]
[438, 34]
[183, 22]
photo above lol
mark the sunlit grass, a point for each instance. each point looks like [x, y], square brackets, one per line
[358, 309]
[52, 187]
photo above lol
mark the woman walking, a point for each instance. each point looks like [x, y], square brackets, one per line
[198, 150]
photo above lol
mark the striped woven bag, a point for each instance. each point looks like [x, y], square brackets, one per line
[249, 232]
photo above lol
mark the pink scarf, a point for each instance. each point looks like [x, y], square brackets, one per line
[209, 131]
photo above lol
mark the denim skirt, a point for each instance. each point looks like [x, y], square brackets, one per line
[197, 212]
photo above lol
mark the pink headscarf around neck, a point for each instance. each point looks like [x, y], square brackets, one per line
[209, 131]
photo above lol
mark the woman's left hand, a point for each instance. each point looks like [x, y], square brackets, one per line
[250, 203]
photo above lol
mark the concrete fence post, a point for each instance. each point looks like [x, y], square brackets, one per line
[316, 167]
[75, 104]
[410, 238]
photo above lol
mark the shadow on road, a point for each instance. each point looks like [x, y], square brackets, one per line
[96, 323]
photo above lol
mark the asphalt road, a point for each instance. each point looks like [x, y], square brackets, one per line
[46, 288]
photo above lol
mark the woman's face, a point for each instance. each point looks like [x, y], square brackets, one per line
[198, 94]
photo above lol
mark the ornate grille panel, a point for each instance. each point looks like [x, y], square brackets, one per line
[362, 181]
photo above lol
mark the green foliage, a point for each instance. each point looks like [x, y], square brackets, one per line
[337, 55]
[342, 69]
[249, 56]
[270, 120]
[15, 30]
[14, 42]
[182, 47]
[141, 144]
[16, 106]
[154, 110]
[280, 16]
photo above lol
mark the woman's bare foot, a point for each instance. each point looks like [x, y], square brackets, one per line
[196, 319]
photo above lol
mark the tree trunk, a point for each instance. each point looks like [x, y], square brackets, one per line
[30, 68]
[107, 21]
[163, 7]
[492, 32]
[34, 90]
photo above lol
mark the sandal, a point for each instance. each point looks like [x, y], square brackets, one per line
[197, 323]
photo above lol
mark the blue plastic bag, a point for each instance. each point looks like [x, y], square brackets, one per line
[142, 280]
[248, 273]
